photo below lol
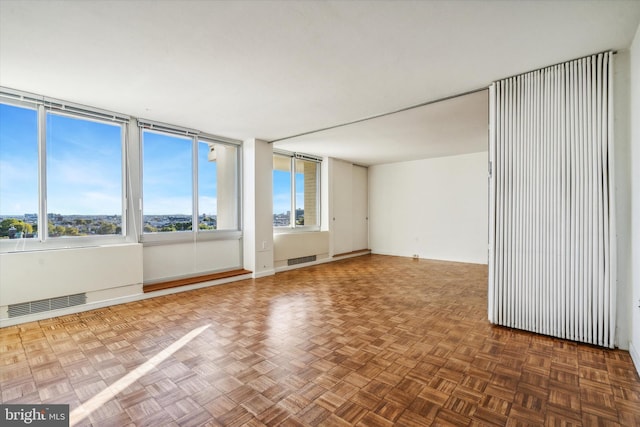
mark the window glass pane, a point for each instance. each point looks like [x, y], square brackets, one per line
[281, 191]
[306, 192]
[167, 182]
[299, 196]
[217, 186]
[84, 176]
[18, 172]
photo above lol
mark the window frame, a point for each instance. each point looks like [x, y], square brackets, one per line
[42, 106]
[293, 227]
[159, 238]
[237, 184]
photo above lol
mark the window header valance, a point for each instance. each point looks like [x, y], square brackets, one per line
[61, 106]
[177, 130]
[161, 127]
[300, 156]
[307, 157]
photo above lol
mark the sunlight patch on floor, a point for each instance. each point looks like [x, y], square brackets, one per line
[84, 410]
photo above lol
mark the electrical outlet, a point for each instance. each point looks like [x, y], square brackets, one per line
[416, 256]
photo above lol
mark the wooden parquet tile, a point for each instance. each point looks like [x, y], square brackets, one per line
[368, 341]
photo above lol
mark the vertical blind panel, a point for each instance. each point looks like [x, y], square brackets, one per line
[552, 254]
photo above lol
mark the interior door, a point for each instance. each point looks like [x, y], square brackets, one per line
[359, 208]
[342, 207]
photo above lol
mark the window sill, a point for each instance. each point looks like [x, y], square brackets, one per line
[155, 239]
[60, 243]
[289, 230]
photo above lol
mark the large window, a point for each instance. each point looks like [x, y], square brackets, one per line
[282, 180]
[167, 187]
[296, 191]
[74, 176]
[84, 176]
[61, 174]
[188, 179]
[217, 186]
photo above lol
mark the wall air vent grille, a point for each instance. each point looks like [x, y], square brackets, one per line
[301, 260]
[32, 307]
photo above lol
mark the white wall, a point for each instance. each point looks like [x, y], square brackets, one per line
[435, 208]
[634, 301]
[622, 181]
[257, 210]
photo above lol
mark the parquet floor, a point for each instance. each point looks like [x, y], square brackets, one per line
[368, 341]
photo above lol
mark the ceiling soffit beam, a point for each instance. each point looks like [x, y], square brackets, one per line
[422, 104]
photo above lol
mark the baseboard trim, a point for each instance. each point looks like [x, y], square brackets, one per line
[353, 253]
[4, 322]
[193, 280]
[264, 273]
[71, 310]
[303, 265]
[635, 356]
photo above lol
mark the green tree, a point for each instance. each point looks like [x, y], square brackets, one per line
[71, 231]
[106, 228]
[18, 225]
[56, 230]
[183, 226]
[150, 228]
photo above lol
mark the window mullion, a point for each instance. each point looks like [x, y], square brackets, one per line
[318, 191]
[124, 130]
[292, 216]
[194, 178]
[141, 206]
[43, 223]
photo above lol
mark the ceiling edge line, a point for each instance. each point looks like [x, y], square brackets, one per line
[422, 104]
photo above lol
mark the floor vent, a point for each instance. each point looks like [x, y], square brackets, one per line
[22, 309]
[303, 259]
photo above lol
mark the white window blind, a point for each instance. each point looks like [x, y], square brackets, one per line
[552, 230]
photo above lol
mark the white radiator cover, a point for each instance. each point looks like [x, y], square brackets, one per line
[300, 244]
[38, 275]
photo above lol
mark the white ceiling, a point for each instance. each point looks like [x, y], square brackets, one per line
[271, 70]
[455, 126]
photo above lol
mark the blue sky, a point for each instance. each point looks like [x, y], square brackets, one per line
[282, 191]
[84, 169]
[18, 161]
[167, 185]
